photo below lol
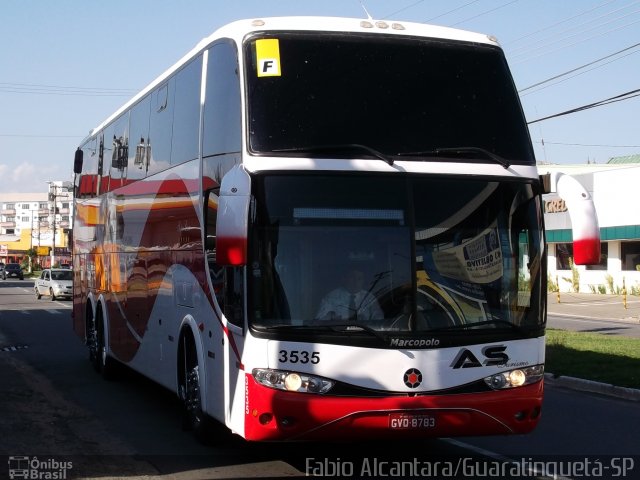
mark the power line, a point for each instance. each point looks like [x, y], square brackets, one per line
[42, 89]
[578, 68]
[581, 73]
[606, 101]
[66, 87]
[27, 135]
[77, 94]
[484, 13]
[567, 32]
[403, 9]
[559, 23]
[574, 43]
[545, 142]
[63, 93]
[451, 11]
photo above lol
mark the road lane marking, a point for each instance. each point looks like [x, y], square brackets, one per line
[581, 319]
[498, 457]
[478, 450]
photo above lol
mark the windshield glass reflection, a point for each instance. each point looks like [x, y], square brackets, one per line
[407, 261]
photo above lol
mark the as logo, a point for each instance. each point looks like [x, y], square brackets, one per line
[493, 355]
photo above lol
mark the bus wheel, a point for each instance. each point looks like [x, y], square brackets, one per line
[105, 364]
[92, 343]
[193, 417]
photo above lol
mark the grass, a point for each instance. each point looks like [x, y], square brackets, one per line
[594, 356]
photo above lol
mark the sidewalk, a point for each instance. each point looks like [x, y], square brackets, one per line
[594, 305]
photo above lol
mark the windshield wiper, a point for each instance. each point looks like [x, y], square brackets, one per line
[340, 147]
[459, 150]
[334, 327]
[495, 322]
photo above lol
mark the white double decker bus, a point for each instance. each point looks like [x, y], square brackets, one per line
[323, 228]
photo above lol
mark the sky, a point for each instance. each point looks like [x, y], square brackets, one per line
[66, 65]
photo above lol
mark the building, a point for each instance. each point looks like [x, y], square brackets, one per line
[615, 188]
[35, 221]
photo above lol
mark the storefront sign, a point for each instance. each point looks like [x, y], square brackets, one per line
[555, 206]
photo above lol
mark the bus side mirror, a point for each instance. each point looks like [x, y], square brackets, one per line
[77, 161]
[584, 219]
[232, 222]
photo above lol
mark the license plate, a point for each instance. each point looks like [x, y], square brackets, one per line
[400, 421]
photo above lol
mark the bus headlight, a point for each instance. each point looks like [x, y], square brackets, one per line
[515, 378]
[292, 381]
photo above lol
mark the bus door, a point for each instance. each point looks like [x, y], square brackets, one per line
[227, 284]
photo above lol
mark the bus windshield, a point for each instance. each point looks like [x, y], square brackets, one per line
[411, 98]
[390, 253]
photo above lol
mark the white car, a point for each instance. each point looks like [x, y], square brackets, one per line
[56, 282]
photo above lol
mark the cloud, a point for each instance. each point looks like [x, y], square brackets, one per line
[23, 173]
[28, 177]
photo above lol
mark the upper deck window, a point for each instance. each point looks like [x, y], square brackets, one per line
[397, 95]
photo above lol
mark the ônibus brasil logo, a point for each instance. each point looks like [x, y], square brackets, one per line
[21, 466]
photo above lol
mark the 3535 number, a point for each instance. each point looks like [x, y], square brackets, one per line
[299, 356]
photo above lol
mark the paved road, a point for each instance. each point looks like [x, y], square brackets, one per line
[588, 305]
[595, 313]
[53, 404]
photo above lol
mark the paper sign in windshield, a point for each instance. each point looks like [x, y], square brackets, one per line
[478, 260]
[268, 57]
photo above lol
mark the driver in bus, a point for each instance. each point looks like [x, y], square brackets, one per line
[350, 301]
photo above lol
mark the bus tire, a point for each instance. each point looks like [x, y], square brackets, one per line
[194, 419]
[106, 365]
[92, 339]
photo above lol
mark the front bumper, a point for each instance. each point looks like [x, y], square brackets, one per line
[62, 292]
[273, 415]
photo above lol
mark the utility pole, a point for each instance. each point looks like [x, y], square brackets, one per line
[52, 198]
[31, 243]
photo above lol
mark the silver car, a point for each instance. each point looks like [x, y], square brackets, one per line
[56, 282]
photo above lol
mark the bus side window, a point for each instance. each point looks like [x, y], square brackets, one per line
[222, 110]
[119, 154]
[86, 181]
[186, 113]
[227, 282]
[160, 127]
[139, 149]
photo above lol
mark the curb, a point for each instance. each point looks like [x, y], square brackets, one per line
[593, 387]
